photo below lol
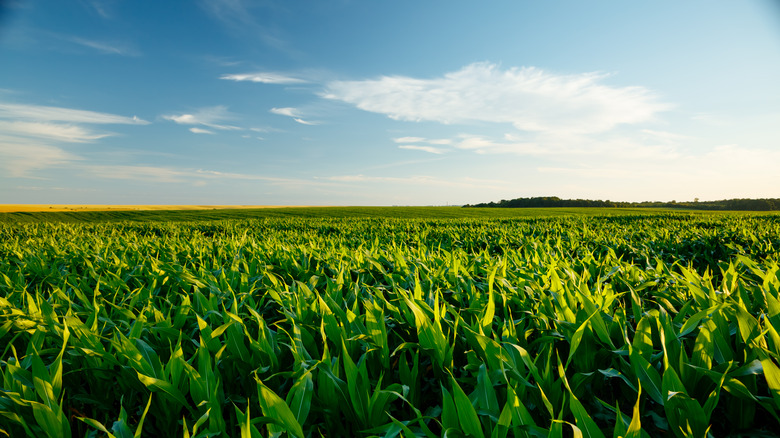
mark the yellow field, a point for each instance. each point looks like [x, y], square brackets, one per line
[9, 208]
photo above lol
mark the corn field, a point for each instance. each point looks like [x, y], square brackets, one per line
[623, 326]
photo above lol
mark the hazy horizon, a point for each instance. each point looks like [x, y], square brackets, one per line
[238, 102]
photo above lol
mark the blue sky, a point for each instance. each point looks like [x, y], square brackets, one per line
[387, 103]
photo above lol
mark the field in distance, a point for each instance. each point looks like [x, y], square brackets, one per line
[13, 208]
[135, 213]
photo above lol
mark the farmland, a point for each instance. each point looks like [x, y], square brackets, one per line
[363, 323]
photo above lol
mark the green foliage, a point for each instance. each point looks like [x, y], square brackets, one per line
[764, 204]
[633, 325]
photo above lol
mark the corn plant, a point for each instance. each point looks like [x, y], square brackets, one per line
[598, 326]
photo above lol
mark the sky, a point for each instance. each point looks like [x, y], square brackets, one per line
[340, 102]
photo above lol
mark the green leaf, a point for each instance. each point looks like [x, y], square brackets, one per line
[299, 398]
[54, 424]
[140, 426]
[585, 423]
[648, 377]
[466, 412]
[490, 308]
[97, 425]
[611, 372]
[772, 376]
[168, 389]
[449, 413]
[276, 409]
[635, 428]
[488, 400]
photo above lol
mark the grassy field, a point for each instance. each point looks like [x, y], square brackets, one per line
[33, 208]
[311, 322]
[75, 214]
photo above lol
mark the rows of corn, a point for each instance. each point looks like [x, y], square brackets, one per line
[636, 326]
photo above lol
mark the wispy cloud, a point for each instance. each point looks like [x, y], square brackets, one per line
[106, 48]
[408, 139]
[104, 8]
[439, 141]
[529, 98]
[52, 131]
[645, 145]
[20, 157]
[29, 135]
[422, 180]
[422, 147]
[265, 78]
[295, 114]
[58, 114]
[238, 18]
[211, 117]
[429, 149]
[223, 61]
[168, 174]
[140, 172]
[241, 176]
[509, 144]
[200, 131]
[289, 112]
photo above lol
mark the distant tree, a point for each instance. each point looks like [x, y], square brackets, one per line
[771, 204]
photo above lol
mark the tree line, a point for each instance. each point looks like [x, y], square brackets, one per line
[762, 204]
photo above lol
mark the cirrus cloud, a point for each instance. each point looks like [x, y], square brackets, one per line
[30, 135]
[51, 131]
[211, 117]
[200, 131]
[294, 113]
[265, 78]
[429, 149]
[529, 98]
[40, 113]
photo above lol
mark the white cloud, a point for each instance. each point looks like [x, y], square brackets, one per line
[56, 114]
[143, 173]
[650, 145]
[529, 98]
[103, 8]
[211, 117]
[239, 18]
[409, 140]
[423, 180]
[241, 176]
[265, 78]
[170, 174]
[480, 144]
[201, 131]
[429, 149]
[266, 130]
[294, 113]
[289, 112]
[165, 174]
[105, 48]
[19, 157]
[53, 131]
[439, 141]
[29, 135]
